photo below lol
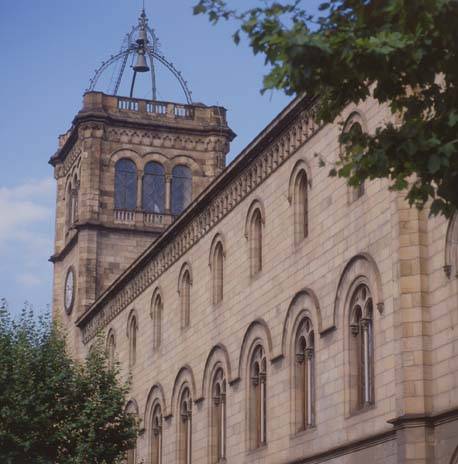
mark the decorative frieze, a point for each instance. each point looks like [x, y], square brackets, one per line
[161, 259]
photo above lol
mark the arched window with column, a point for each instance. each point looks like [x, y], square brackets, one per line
[304, 376]
[218, 418]
[132, 410]
[361, 349]
[185, 427]
[156, 435]
[125, 184]
[258, 398]
[181, 188]
[153, 200]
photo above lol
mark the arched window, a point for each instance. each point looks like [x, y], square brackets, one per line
[361, 349]
[352, 131]
[156, 435]
[125, 184]
[255, 241]
[132, 336]
[300, 206]
[304, 376]
[185, 428]
[74, 200]
[132, 453]
[154, 188]
[110, 349]
[185, 298]
[181, 188]
[451, 248]
[156, 315]
[257, 398]
[217, 270]
[69, 206]
[218, 418]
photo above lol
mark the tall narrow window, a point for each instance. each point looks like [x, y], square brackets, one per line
[352, 138]
[154, 188]
[217, 269]
[156, 315]
[132, 335]
[218, 418]
[75, 197]
[125, 185]
[185, 297]
[185, 428]
[305, 376]
[69, 205]
[255, 242]
[156, 435]
[258, 400]
[361, 349]
[300, 205]
[110, 349]
[181, 188]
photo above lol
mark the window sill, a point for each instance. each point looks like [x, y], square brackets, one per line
[301, 433]
[358, 412]
[259, 450]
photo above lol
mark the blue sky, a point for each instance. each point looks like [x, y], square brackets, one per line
[50, 51]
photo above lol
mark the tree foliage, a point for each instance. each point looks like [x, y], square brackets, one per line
[402, 53]
[52, 408]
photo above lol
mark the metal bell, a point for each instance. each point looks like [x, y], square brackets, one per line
[141, 65]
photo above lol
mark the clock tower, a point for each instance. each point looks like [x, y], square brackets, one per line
[125, 171]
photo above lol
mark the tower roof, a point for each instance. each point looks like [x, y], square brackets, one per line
[141, 45]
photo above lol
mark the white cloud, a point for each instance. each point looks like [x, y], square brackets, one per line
[22, 206]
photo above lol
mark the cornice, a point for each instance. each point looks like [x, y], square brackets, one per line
[277, 143]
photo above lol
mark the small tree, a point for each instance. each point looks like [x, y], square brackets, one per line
[52, 408]
[402, 53]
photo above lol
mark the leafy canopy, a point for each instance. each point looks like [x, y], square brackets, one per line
[402, 53]
[53, 409]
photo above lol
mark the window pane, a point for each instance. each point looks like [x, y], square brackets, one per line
[154, 188]
[125, 185]
[181, 188]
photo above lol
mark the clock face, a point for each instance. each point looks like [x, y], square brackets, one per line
[69, 291]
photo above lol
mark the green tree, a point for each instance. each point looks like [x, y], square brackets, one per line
[52, 408]
[402, 53]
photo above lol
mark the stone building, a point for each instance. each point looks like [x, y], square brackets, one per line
[267, 312]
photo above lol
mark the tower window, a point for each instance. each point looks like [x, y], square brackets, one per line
[156, 315]
[132, 335]
[181, 188]
[300, 205]
[217, 270]
[185, 297]
[125, 185]
[154, 188]
[255, 241]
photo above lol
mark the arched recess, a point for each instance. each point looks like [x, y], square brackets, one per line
[156, 157]
[256, 204]
[185, 267]
[127, 154]
[185, 376]
[361, 265]
[301, 165]
[304, 304]
[218, 238]
[184, 160]
[257, 331]
[156, 394]
[451, 248]
[218, 357]
[132, 407]
[132, 314]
